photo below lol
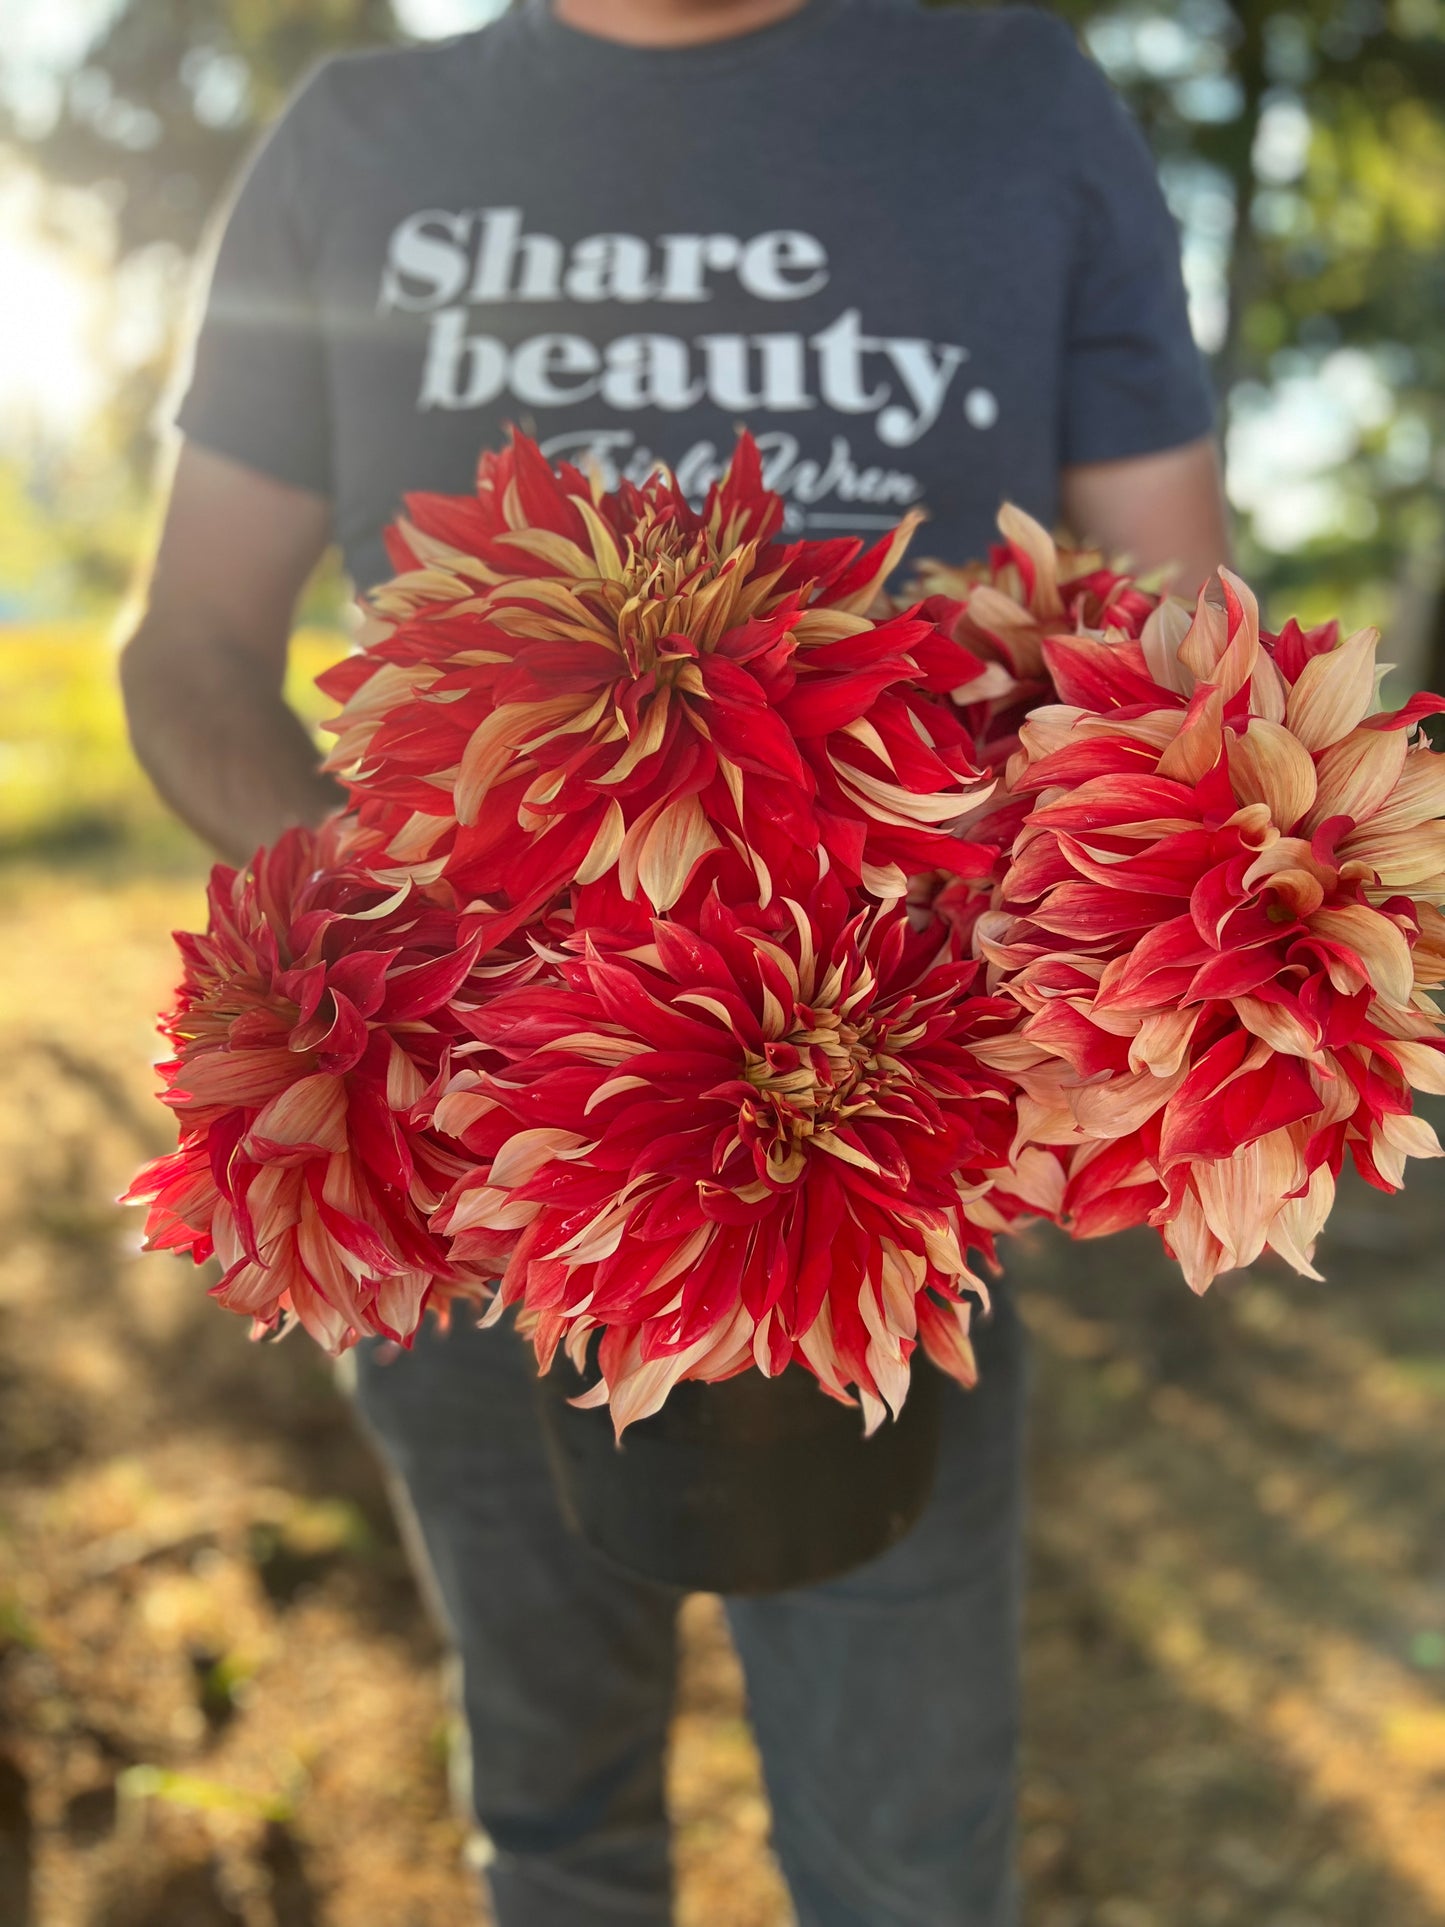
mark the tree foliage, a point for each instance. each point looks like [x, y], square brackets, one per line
[166, 101]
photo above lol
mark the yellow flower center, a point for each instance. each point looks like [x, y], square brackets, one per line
[664, 590]
[811, 1082]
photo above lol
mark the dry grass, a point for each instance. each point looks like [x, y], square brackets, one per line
[221, 1701]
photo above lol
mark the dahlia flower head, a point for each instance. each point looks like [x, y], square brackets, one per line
[1219, 921]
[567, 688]
[762, 1137]
[1003, 610]
[313, 1015]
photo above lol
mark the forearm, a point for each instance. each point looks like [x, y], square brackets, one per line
[220, 744]
[1164, 512]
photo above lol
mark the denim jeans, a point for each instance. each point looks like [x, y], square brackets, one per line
[885, 1702]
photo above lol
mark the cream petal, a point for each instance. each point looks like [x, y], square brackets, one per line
[1038, 1177]
[1419, 795]
[311, 1112]
[1161, 637]
[1299, 1222]
[1023, 532]
[1332, 693]
[1121, 1106]
[1237, 664]
[1269, 765]
[493, 747]
[1162, 1040]
[677, 839]
[1199, 1254]
[1402, 859]
[1241, 1195]
[1414, 1137]
[522, 1156]
[1268, 697]
[1206, 639]
[1195, 750]
[1424, 1068]
[1376, 941]
[1357, 774]
[1282, 1028]
[606, 845]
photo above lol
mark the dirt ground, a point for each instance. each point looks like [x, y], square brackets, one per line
[220, 1701]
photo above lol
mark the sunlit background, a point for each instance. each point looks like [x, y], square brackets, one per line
[219, 1699]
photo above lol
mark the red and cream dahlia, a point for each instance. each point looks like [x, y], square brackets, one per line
[761, 1139]
[563, 685]
[1219, 918]
[312, 1017]
[1003, 610]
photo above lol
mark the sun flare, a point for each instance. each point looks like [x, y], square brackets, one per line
[51, 371]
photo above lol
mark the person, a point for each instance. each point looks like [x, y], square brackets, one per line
[923, 255]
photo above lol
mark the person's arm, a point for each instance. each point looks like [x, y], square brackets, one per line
[202, 672]
[1165, 511]
[1138, 461]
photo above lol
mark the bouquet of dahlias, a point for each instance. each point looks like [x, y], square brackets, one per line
[716, 958]
[604, 999]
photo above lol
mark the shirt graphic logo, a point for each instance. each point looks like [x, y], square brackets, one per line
[451, 265]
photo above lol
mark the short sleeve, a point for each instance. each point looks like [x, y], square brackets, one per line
[1134, 381]
[256, 386]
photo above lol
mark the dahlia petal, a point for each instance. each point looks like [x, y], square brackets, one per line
[250, 1077]
[400, 1303]
[1160, 640]
[1418, 795]
[676, 841]
[405, 1084]
[1423, 1064]
[1376, 941]
[1413, 1137]
[1269, 765]
[1197, 747]
[1123, 1105]
[1190, 1240]
[1299, 1222]
[606, 845]
[1421, 706]
[1280, 1025]
[492, 747]
[1412, 859]
[1332, 692]
[1038, 1178]
[1240, 1195]
[419, 990]
[1205, 640]
[1237, 665]
[310, 1114]
[943, 1331]
[1163, 1040]
[1357, 774]
[525, 1154]
[1268, 696]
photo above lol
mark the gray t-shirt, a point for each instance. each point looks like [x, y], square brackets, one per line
[923, 255]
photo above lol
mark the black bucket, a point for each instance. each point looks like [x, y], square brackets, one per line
[753, 1485]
